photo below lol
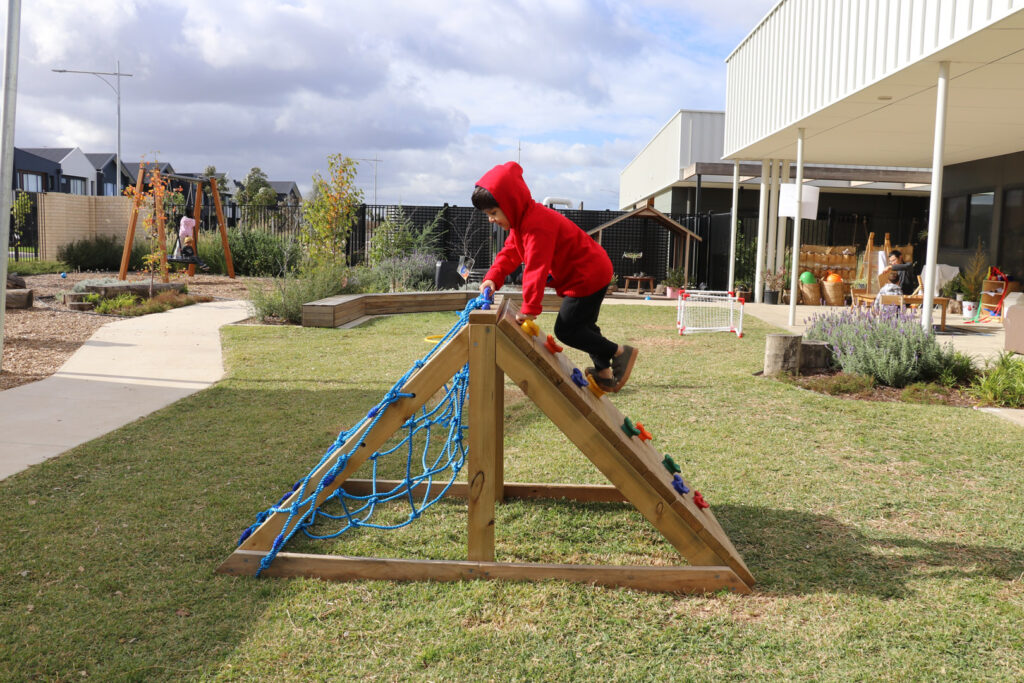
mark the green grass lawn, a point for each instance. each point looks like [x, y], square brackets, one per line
[887, 539]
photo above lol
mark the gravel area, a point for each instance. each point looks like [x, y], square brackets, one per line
[37, 341]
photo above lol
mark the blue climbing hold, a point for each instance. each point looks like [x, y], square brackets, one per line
[578, 378]
[679, 485]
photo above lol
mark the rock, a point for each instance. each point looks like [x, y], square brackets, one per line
[19, 298]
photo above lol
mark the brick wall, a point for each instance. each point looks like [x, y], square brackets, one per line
[65, 218]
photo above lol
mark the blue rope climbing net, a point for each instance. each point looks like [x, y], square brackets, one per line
[443, 465]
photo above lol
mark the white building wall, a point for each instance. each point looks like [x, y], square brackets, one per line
[688, 137]
[78, 165]
[825, 50]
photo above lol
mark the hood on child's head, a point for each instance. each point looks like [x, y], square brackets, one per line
[505, 183]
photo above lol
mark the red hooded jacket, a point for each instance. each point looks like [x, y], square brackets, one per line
[544, 241]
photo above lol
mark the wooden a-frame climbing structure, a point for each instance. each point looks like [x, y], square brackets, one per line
[162, 228]
[494, 346]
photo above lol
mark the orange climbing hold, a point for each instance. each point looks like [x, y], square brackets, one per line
[551, 345]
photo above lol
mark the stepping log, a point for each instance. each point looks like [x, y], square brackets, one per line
[782, 353]
[19, 298]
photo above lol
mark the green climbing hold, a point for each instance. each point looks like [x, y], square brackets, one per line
[670, 464]
[630, 428]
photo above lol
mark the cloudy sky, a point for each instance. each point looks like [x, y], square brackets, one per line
[439, 91]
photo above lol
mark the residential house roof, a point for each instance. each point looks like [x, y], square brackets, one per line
[55, 154]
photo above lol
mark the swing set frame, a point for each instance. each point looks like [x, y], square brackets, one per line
[161, 222]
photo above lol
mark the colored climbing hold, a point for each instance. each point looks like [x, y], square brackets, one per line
[679, 485]
[699, 501]
[578, 378]
[488, 298]
[644, 435]
[592, 383]
[551, 345]
[530, 328]
[670, 464]
[630, 428]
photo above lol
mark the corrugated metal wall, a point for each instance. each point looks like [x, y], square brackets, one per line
[807, 54]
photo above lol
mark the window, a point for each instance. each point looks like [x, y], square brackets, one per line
[966, 219]
[108, 190]
[1011, 237]
[31, 182]
[75, 185]
[954, 221]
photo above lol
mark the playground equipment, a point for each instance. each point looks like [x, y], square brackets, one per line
[707, 311]
[162, 228]
[469, 364]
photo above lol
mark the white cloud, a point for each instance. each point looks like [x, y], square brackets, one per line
[441, 91]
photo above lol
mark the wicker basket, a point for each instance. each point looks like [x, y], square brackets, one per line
[810, 294]
[832, 292]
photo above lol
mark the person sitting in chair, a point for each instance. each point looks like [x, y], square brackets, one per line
[892, 288]
[904, 270]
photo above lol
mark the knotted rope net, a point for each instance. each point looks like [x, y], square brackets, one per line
[432, 466]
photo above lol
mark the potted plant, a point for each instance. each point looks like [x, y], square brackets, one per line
[972, 280]
[675, 279]
[774, 281]
[742, 290]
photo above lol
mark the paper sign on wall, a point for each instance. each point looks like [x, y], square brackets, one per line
[787, 201]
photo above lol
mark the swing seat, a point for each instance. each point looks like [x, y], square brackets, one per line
[188, 257]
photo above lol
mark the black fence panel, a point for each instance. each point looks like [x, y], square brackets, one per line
[23, 245]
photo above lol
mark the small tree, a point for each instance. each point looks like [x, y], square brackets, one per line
[20, 209]
[332, 210]
[155, 202]
[256, 194]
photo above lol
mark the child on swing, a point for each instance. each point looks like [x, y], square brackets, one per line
[186, 248]
[548, 244]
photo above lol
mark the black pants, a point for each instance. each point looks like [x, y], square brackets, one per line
[576, 326]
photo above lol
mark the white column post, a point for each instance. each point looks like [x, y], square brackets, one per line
[780, 236]
[795, 256]
[734, 223]
[935, 203]
[762, 223]
[774, 172]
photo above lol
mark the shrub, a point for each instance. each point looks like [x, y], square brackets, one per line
[1002, 382]
[412, 272]
[260, 254]
[285, 299]
[102, 252]
[889, 345]
[26, 268]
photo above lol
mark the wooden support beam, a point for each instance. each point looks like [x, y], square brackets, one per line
[484, 433]
[690, 580]
[583, 493]
[133, 220]
[215, 193]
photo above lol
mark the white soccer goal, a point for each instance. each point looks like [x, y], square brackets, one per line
[706, 311]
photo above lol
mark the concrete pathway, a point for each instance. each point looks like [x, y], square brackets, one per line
[127, 369]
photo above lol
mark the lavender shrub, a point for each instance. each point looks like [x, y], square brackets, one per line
[888, 344]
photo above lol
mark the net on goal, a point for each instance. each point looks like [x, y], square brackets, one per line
[709, 311]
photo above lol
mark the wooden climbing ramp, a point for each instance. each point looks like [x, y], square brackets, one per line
[494, 346]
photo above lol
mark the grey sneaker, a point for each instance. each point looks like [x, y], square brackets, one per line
[604, 383]
[622, 365]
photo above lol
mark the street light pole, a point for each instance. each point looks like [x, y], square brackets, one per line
[116, 87]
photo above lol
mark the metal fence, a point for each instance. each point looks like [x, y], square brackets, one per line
[23, 245]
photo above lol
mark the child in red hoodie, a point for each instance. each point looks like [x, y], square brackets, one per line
[548, 243]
